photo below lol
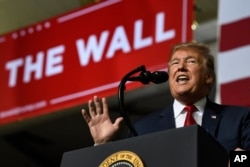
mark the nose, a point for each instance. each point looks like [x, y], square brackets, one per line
[182, 66]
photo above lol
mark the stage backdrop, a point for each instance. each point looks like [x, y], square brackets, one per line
[234, 52]
[64, 61]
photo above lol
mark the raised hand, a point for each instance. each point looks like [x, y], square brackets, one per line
[101, 127]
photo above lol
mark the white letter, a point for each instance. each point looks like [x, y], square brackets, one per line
[36, 67]
[139, 42]
[160, 34]
[118, 41]
[54, 58]
[92, 47]
[237, 158]
[243, 157]
[13, 67]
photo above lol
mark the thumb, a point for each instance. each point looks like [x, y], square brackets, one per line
[118, 122]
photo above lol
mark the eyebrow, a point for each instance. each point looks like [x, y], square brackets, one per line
[188, 57]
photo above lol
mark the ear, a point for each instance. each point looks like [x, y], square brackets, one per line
[210, 78]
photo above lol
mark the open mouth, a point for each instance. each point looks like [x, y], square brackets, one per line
[182, 79]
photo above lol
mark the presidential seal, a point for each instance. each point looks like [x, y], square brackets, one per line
[122, 159]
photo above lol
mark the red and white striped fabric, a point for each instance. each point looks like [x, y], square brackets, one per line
[234, 52]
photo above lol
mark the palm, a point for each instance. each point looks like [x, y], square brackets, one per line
[101, 127]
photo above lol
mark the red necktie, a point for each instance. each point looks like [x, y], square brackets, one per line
[189, 118]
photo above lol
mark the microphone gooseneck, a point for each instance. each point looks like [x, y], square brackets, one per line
[145, 77]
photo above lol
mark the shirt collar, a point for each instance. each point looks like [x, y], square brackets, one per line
[178, 107]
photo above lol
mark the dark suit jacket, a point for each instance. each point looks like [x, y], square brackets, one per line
[230, 125]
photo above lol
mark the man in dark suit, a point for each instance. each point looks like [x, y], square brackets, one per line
[228, 124]
[191, 77]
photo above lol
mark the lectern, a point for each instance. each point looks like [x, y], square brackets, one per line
[182, 147]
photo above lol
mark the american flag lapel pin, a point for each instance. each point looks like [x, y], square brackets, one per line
[213, 116]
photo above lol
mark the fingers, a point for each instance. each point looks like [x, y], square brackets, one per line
[97, 105]
[86, 115]
[95, 108]
[91, 108]
[105, 105]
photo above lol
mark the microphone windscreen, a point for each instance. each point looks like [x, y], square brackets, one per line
[159, 77]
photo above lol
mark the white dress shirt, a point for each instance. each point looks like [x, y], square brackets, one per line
[180, 114]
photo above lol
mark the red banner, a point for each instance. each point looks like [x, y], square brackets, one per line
[64, 61]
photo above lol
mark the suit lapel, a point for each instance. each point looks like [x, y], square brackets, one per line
[166, 120]
[211, 118]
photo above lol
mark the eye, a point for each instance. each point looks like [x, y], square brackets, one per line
[174, 62]
[191, 61]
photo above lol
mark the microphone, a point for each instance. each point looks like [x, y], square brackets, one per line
[146, 77]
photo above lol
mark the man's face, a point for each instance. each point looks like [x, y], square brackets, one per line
[188, 78]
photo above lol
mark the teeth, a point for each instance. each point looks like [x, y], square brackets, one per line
[182, 78]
